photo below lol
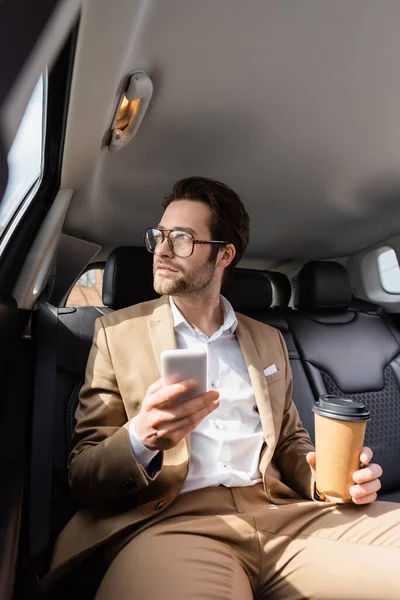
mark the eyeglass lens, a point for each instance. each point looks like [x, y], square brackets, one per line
[180, 242]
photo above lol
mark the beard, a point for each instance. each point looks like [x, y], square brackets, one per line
[186, 282]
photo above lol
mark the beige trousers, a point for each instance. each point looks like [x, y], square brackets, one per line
[232, 544]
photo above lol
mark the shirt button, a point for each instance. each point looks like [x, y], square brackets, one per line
[212, 385]
[216, 425]
[159, 504]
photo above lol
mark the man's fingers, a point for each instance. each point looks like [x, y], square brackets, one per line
[366, 455]
[191, 406]
[369, 473]
[190, 421]
[191, 410]
[174, 431]
[157, 385]
[165, 420]
[365, 489]
[193, 419]
[365, 499]
[166, 396]
[178, 410]
[167, 414]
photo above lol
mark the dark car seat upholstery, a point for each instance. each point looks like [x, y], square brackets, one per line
[68, 334]
[281, 289]
[350, 352]
[249, 292]
[128, 277]
[276, 293]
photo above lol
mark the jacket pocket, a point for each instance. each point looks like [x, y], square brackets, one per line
[273, 377]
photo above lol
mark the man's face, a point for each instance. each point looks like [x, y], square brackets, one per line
[175, 276]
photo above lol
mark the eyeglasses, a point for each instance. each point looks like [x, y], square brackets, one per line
[181, 243]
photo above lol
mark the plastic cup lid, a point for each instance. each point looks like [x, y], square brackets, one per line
[338, 407]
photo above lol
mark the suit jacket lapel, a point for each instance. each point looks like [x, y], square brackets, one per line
[162, 335]
[161, 328]
[257, 377]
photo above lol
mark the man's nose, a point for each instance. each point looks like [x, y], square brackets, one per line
[163, 249]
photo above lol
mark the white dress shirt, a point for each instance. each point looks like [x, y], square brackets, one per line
[225, 447]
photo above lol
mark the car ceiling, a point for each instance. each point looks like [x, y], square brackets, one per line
[294, 103]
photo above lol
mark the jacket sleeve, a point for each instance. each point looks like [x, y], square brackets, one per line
[294, 442]
[102, 466]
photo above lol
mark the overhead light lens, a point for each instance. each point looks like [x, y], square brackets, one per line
[131, 110]
[122, 108]
[127, 112]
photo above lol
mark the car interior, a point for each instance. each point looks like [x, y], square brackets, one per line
[292, 104]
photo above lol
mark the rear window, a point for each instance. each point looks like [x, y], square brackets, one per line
[87, 291]
[389, 270]
[25, 157]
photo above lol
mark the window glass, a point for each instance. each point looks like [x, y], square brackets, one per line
[24, 157]
[389, 270]
[87, 290]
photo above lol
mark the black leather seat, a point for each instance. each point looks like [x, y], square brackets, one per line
[279, 284]
[251, 293]
[67, 334]
[281, 289]
[353, 352]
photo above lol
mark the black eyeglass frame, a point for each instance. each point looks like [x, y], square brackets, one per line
[166, 235]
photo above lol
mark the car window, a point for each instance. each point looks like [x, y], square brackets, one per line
[389, 270]
[87, 290]
[25, 156]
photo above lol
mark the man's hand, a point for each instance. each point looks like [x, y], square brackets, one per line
[164, 420]
[367, 478]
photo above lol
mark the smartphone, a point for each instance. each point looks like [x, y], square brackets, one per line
[178, 365]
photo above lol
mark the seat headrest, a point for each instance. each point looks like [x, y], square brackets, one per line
[128, 277]
[248, 290]
[323, 286]
[281, 288]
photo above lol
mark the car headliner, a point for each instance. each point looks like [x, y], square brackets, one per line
[295, 104]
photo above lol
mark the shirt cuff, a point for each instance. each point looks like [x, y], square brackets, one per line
[143, 455]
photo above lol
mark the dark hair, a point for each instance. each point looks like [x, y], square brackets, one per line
[230, 221]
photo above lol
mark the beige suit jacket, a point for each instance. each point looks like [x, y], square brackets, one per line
[114, 491]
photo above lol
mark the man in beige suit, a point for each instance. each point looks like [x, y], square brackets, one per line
[212, 497]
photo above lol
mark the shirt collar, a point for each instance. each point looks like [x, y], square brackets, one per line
[230, 320]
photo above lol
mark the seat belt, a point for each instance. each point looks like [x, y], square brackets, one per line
[43, 431]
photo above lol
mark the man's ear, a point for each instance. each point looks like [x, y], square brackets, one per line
[227, 254]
